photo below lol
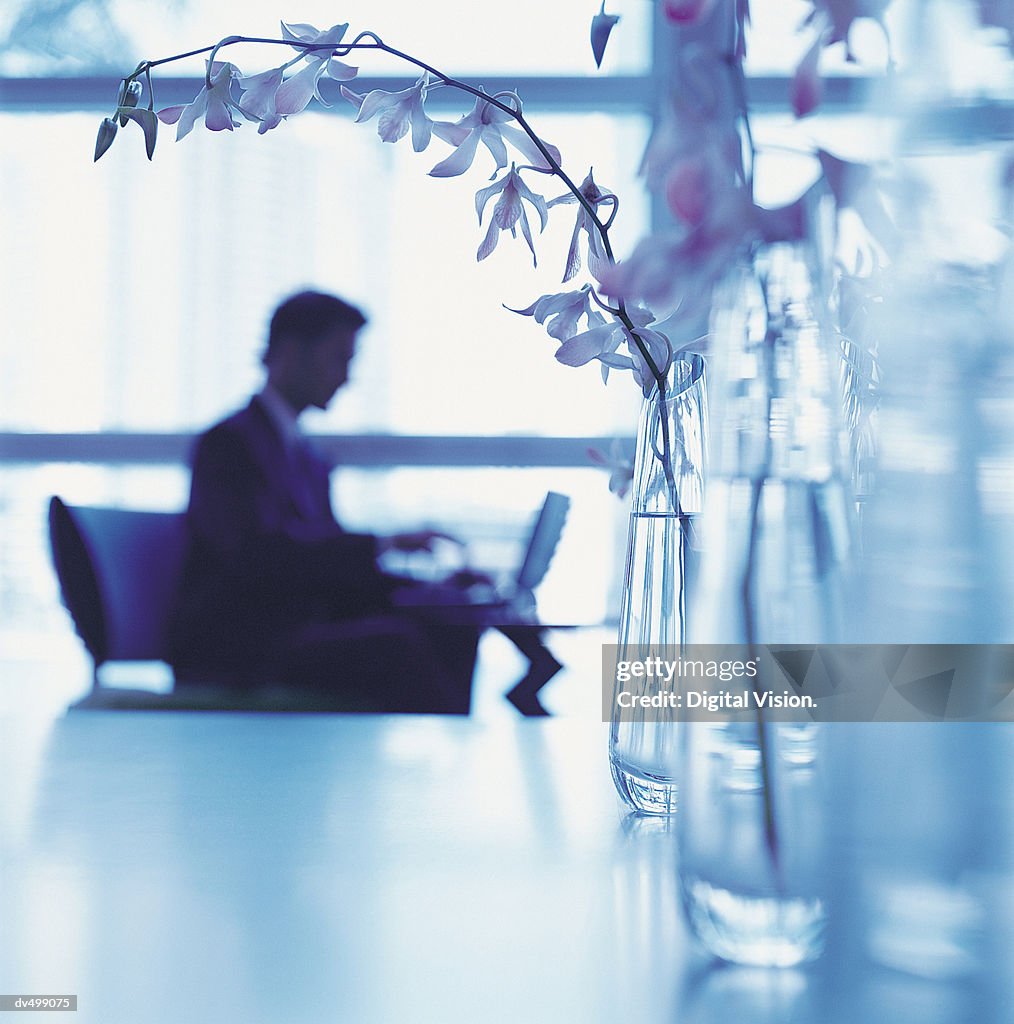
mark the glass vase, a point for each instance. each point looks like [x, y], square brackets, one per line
[777, 530]
[667, 496]
[751, 888]
[779, 518]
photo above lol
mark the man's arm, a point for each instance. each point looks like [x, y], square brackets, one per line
[238, 515]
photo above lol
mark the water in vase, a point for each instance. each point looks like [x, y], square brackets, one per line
[643, 745]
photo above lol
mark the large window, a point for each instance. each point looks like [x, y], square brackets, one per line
[139, 293]
[136, 294]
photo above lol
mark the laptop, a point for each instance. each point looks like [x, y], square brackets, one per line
[517, 592]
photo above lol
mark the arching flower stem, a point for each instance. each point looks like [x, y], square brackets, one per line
[554, 167]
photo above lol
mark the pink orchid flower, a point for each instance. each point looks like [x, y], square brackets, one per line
[491, 126]
[676, 272]
[398, 111]
[705, 187]
[214, 104]
[833, 20]
[688, 190]
[598, 259]
[508, 211]
[695, 156]
[805, 89]
[686, 12]
[840, 14]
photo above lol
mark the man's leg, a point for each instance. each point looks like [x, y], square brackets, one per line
[383, 664]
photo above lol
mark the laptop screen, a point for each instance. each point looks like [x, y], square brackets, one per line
[544, 539]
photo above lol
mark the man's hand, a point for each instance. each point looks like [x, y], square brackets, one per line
[417, 540]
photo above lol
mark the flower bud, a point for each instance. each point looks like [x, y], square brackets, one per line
[602, 25]
[129, 94]
[107, 132]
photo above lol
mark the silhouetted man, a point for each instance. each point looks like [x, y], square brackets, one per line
[274, 590]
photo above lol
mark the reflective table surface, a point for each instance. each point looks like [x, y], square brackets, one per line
[170, 868]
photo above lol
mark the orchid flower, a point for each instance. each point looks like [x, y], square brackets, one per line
[675, 272]
[292, 95]
[214, 104]
[269, 97]
[489, 125]
[840, 14]
[834, 20]
[258, 98]
[603, 340]
[327, 41]
[561, 311]
[619, 464]
[508, 211]
[687, 12]
[398, 111]
[806, 89]
[598, 259]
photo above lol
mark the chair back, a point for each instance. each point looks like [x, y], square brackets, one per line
[119, 571]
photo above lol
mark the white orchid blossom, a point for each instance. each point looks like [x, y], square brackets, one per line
[491, 126]
[598, 260]
[619, 464]
[398, 111]
[603, 341]
[327, 40]
[269, 97]
[508, 211]
[258, 99]
[295, 93]
[561, 311]
[215, 104]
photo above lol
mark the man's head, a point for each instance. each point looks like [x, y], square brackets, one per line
[311, 342]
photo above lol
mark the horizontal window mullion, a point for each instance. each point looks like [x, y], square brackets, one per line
[99, 93]
[616, 92]
[361, 450]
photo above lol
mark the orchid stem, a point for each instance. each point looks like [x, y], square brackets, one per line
[771, 836]
[602, 228]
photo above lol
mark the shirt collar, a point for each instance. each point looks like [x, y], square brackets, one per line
[281, 414]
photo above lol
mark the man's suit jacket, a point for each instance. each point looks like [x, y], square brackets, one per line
[266, 554]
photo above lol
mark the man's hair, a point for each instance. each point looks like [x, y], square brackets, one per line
[307, 316]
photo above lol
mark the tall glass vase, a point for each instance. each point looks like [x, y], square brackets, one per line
[776, 549]
[779, 517]
[753, 890]
[667, 493]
